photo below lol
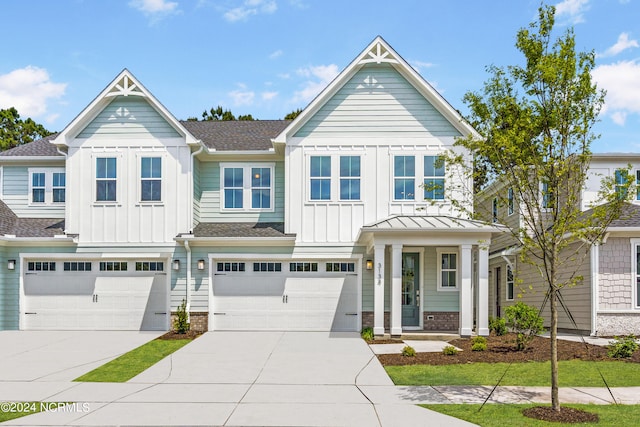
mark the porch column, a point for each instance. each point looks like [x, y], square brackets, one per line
[466, 297]
[378, 289]
[396, 289]
[482, 310]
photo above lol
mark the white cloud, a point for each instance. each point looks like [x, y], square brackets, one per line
[250, 8]
[242, 96]
[622, 44]
[277, 54]
[572, 10]
[155, 9]
[29, 90]
[319, 77]
[621, 80]
[268, 96]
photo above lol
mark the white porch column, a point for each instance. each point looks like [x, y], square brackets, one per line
[466, 296]
[482, 310]
[396, 289]
[378, 289]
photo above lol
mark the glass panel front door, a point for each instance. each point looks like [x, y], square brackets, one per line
[410, 289]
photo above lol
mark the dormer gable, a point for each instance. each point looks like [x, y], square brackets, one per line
[125, 105]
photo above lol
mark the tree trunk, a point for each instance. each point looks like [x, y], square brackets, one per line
[555, 401]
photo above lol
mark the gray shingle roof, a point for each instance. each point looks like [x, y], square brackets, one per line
[629, 216]
[241, 135]
[240, 229]
[28, 227]
[41, 147]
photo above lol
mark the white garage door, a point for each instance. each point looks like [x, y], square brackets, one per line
[275, 295]
[98, 295]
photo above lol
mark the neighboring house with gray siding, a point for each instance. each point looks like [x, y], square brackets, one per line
[607, 302]
[322, 223]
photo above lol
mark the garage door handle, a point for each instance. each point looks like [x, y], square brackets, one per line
[160, 312]
[219, 314]
[351, 314]
[30, 312]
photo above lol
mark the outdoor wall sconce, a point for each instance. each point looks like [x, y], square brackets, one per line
[369, 264]
[11, 264]
[200, 264]
[176, 264]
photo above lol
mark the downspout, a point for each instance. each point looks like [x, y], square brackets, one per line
[187, 248]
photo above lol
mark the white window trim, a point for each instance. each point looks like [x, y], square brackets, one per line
[506, 284]
[246, 186]
[334, 195]
[511, 201]
[139, 158]
[635, 243]
[118, 179]
[439, 253]
[419, 177]
[48, 186]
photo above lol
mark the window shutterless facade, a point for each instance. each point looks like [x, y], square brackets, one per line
[106, 179]
[320, 178]
[510, 283]
[59, 187]
[510, 202]
[46, 186]
[404, 181]
[151, 179]
[433, 178]
[447, 270]
[247, 187]
[349, 177]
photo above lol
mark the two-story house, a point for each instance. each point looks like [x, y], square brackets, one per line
[607, 302]
[329, 222]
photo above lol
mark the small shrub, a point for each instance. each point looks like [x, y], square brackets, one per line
[479, 346]
[181, 324]
[450, 350]
[478, 340]
[622, 347]
[497, 325]
[525, 321]
[408, 351]
[367, 333]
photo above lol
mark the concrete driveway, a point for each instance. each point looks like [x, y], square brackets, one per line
[242, 379]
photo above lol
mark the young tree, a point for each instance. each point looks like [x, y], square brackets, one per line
[536, 120]
[14, 131]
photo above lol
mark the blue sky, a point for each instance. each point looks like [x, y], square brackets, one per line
[269, 57]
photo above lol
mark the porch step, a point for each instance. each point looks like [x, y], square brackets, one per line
[418, 335]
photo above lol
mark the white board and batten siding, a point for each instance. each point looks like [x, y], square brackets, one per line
[377, 114]
[128, 129]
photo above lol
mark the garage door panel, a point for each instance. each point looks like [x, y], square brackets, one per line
[304, 301]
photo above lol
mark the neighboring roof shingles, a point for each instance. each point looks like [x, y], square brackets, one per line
[240, 135]
[40, 148]
[240, 229]
[28, 227]
[629, 216]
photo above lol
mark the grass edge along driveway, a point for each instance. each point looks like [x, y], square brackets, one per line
[572, 373]
[130, 364]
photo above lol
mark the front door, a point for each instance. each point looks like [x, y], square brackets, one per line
[410, 289]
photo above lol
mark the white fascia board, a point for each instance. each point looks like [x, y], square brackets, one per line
[239, 241]
[31, 159]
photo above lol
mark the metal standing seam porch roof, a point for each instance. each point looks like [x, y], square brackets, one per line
[401, 223]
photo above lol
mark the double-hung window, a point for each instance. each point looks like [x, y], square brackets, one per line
[349, 177]
[433, 178]
[247, 187]
[404, 177]
[320, 178]
[447, 270]
[106, 177]
[151, 179]
[38, 187]
[494, 210]
[510, 283]
[46, 186]
[547, 196]
[510, 202]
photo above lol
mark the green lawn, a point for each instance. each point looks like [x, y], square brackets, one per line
[509, 415]
[134, 362]
[573, 373]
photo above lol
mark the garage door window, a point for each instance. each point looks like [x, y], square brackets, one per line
[113, 266]
[149, 266]
[267, 266]
[41, 266]
[303, 266]
[230, 266]
[349, 267]
[77, 266]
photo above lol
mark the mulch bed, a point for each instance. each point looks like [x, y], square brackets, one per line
[503, 349]
[173, 335]
[565, 415]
